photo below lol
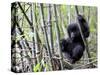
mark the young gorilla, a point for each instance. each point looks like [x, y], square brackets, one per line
[74, 46]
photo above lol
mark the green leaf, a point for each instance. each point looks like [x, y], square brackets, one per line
[37, 67]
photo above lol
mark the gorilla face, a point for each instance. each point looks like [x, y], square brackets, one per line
[73, 32]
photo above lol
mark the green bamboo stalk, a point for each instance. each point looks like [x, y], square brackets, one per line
[33, 51]
[45, 33]
[87, 49]
[58, 37]
[62, 23]
[50, 29]
[69, 15]
[85, 56]
[35, 35]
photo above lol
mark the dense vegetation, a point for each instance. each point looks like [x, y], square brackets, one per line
[36, 30]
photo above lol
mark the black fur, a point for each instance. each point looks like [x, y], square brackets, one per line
[74, 45]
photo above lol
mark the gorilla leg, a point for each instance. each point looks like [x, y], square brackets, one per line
[77, 53]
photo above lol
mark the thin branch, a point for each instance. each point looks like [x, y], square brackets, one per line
[30, 23]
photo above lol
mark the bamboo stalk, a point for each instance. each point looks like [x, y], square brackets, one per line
[84, 40]
[58, 36]
[45, 34]
[35, 35]
[24, 44]
[85, 56]
[12, 33]
[50, 29]
[62, 23]
[69, 15]
[33, 51]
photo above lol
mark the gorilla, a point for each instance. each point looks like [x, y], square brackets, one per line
[73, 47]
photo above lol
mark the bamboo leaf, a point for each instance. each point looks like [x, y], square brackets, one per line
[37, 67]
